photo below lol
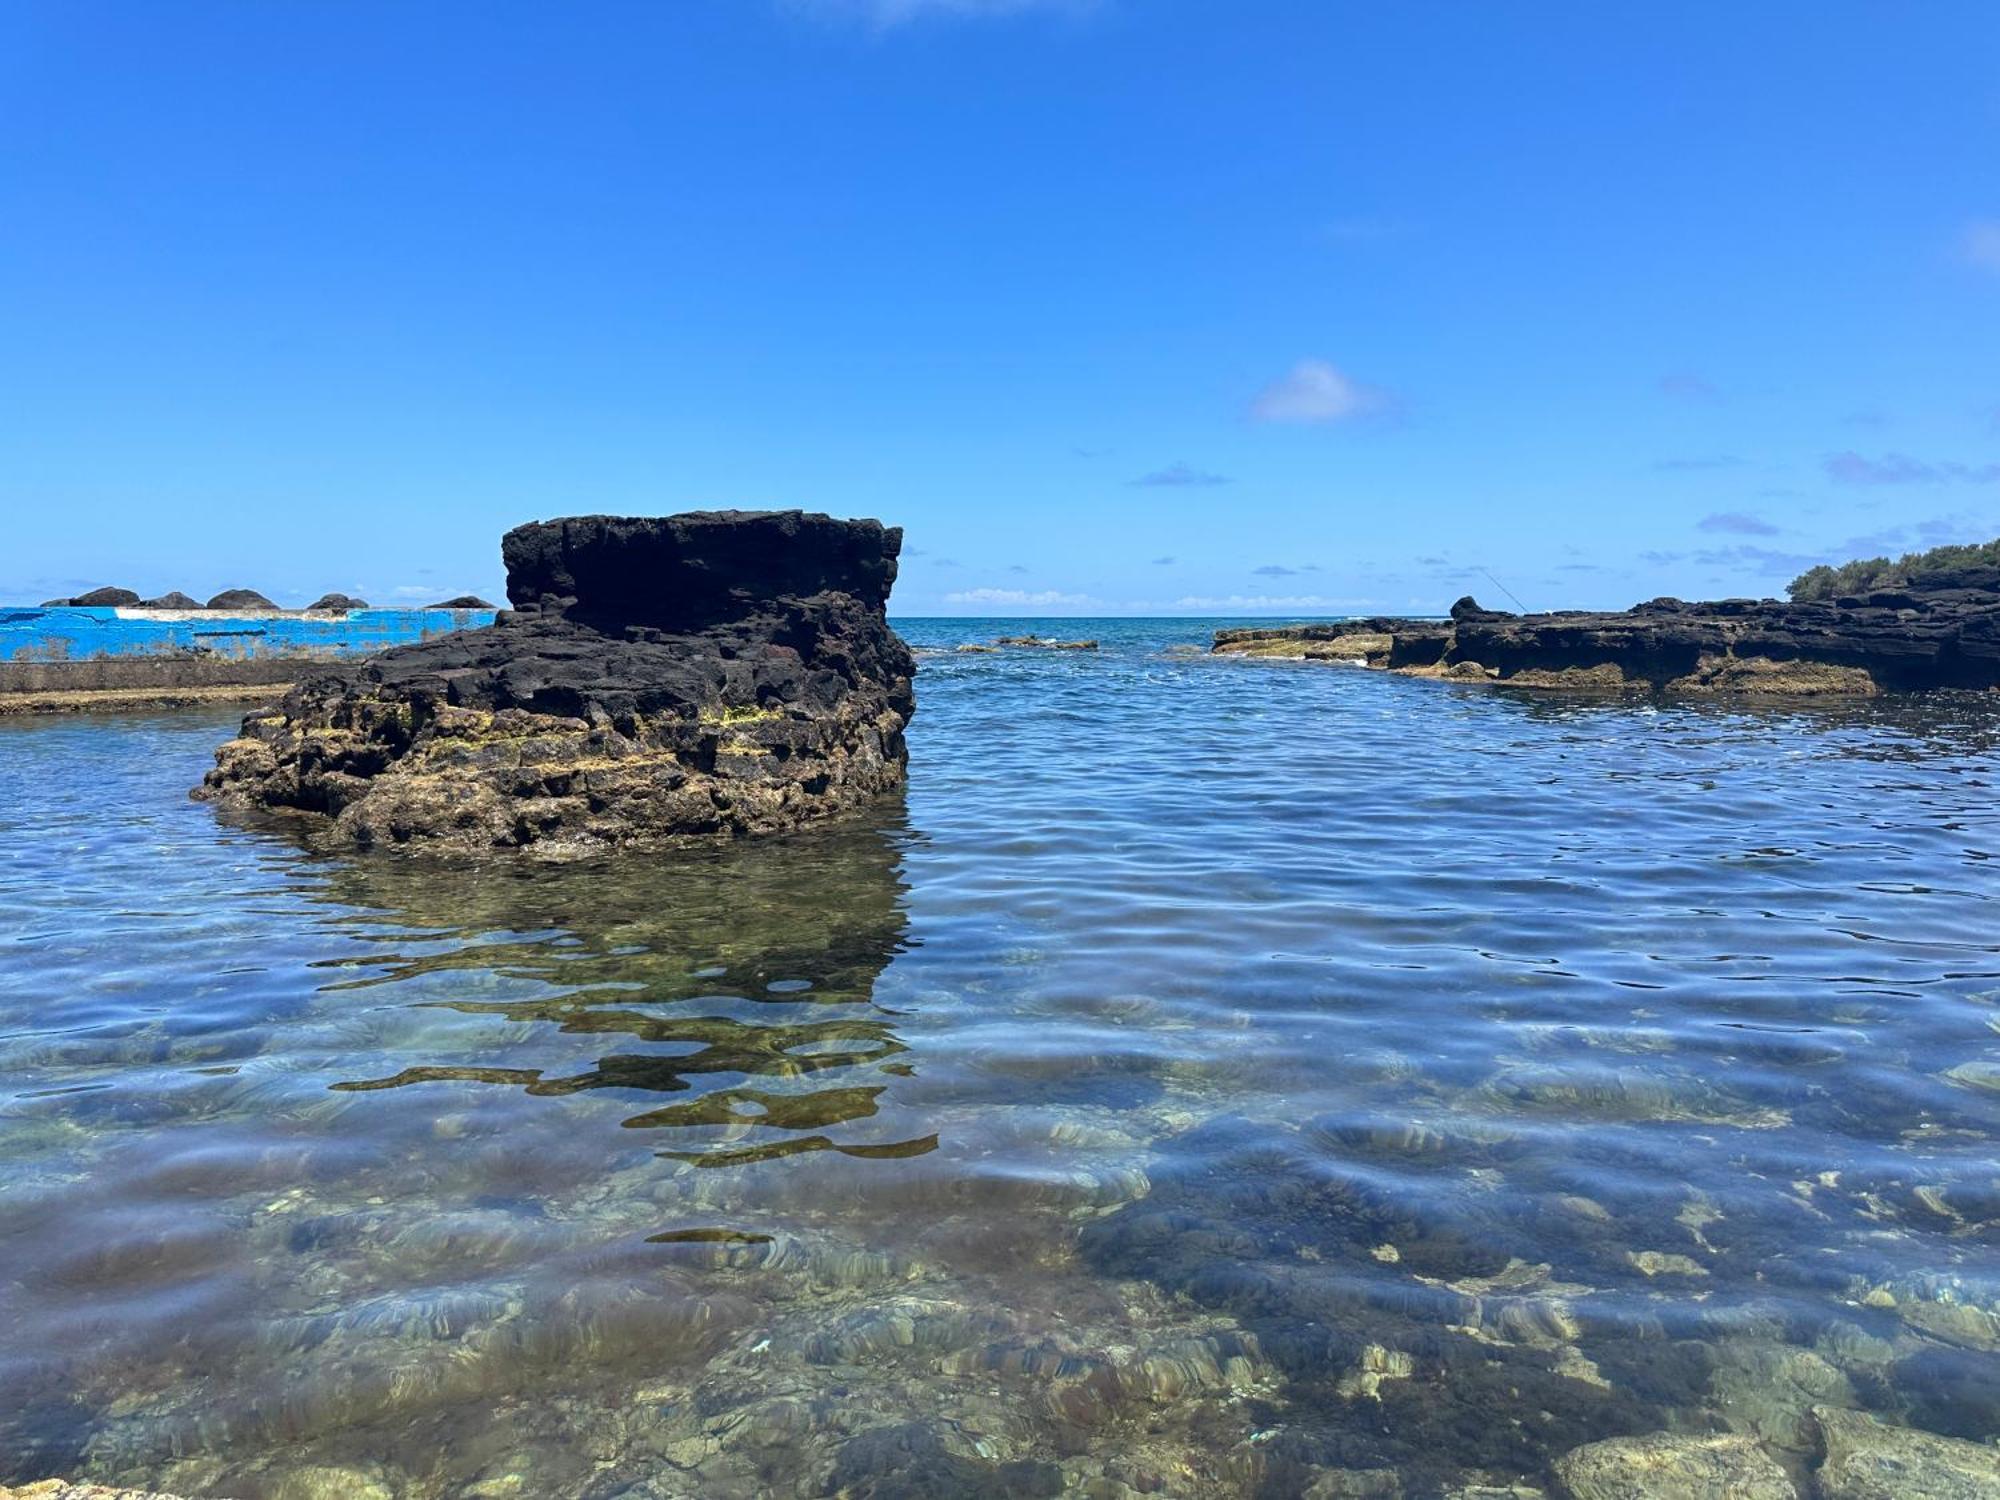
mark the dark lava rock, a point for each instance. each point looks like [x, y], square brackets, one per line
[239, 599]
[1937, 636]
[463, 601]
[105, 598]
[342, 602]
[714, 674]
[174, 599]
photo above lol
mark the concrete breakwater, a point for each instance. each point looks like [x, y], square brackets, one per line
[56, 658]
[1943, 635]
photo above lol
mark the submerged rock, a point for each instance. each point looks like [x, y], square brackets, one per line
[1930, 637]
[1669, 1466]
[1869, 1460]
[713, 674]
[239, 599]
[1044, 643]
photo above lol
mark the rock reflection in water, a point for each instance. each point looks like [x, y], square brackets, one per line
[783, 933]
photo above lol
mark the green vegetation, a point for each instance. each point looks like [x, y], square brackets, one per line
[1912, 568]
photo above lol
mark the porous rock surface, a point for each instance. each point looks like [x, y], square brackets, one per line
[713, 674]
[1944, 635]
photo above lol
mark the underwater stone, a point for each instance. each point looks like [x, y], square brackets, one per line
[708, 675]
[1667, 1466]
[911, 1462]
[1869, 1460]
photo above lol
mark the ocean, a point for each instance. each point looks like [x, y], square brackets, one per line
[1214, 1077]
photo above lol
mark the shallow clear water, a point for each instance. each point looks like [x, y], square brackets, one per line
[1213, 1073]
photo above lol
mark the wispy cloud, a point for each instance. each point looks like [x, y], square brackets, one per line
[884, 13]
[1017, 568]
[1315, 392]
[1252, 603]
[1021, 598]
[1740, 523]
[1280, 570]
[1685, 385]
[1696, 464]
[1766, 562]
[1179, 476]
[1165, 562]
[1980, 244]
[1899, 468]
[1931, 531]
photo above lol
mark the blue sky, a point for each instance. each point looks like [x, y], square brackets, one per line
[1145, 305]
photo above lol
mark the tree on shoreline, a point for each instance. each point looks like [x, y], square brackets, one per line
[1912, 569]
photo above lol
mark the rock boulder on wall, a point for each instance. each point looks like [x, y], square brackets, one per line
[713, 674]
[239, 599]
[345, 603]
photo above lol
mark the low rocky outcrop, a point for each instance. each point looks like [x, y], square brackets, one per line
[714, 674]
[462, 601]
[239, 599]
[172, 599]
[1044, 643]
[1889, 640]
[342, 603]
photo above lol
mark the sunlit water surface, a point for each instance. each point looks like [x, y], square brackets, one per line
[1213, 1073]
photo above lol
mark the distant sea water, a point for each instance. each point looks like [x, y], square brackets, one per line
[1214, 1077]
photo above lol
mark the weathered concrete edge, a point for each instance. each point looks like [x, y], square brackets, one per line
[126, 700]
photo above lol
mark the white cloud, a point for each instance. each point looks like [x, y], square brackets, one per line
[1020, 598]
[1314, 391]
[1980, 244]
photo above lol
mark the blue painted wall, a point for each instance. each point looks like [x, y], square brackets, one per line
[39, 635]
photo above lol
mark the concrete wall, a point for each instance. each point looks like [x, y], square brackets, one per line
[29, 634]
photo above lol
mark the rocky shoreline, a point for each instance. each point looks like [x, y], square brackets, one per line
[707, 675]
[1943, 635]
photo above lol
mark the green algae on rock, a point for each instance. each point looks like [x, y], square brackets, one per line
[714, 674]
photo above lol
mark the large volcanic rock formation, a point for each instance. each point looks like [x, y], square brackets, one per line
[1945, 634]
[714, 674]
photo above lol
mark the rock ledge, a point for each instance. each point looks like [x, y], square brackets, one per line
[1946, 637]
